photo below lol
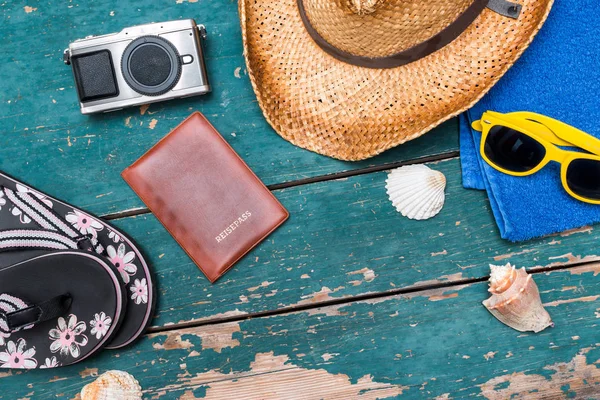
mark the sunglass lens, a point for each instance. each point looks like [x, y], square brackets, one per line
[512, 150]
[583, 178]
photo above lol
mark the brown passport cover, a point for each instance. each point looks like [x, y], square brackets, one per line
[205, 195]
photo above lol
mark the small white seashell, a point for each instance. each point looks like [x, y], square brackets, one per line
[416, 191]
[113, 385]
[515, 299]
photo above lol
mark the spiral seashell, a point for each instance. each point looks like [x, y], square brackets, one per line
[515, 299]
[113, 385]
[416, 191]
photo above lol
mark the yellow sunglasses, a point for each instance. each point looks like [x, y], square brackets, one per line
[522, 143]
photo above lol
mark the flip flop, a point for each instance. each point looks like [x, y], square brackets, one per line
[57, 309]
[22, 207]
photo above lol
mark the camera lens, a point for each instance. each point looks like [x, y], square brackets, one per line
[151, 65]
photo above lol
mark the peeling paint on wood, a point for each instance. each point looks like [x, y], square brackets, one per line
[318, 297]
[510, 255]
[575, 300]
[571, 259]
[368, 276]
[273, 376]
[584, 229]
[262, 285]
[236, 73]
[575, 378]
[213, 337]
[592, 267]
[5, 374]
[89, 372]
[403, 344]
[442, 279]
[385, 345]
[219, 316]
[440, 297]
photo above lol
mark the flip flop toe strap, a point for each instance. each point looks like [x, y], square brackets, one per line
[33, 238]
[17, 314]
[19, 239]
[50, 222]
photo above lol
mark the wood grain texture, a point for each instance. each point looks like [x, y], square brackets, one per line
[344, 242]
[345, 239]
[46, 142]
[430, 344]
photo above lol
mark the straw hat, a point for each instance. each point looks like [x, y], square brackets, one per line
[352, 78]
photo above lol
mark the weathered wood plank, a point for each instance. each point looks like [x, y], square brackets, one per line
[345, 239]
[431, 344]
[46, 142]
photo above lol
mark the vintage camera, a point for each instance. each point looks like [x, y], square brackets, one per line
[139, 65]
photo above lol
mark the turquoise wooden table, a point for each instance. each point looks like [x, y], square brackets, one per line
[347, 300]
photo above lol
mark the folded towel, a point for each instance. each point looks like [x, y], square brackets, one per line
[559, 76]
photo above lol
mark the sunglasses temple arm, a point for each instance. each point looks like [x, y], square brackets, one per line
[579, 138]
[570, 134]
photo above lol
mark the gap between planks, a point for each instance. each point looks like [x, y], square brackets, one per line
[343, 300]
[321, 178]
[352, 299]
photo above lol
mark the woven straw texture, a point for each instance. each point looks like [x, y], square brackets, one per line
[384, 28]
[351, 113]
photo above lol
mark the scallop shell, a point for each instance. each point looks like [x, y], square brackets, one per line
[416, 191]
[515, 299]
[113, 385]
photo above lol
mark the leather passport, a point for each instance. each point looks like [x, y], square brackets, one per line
[205, 195]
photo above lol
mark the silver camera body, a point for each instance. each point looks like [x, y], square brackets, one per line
[139, 65]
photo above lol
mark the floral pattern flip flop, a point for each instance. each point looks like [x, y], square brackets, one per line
[23, 208]
[57, 309]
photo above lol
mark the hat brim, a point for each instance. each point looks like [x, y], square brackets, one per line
[348, 112]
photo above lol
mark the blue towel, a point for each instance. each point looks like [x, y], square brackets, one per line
[559, 76]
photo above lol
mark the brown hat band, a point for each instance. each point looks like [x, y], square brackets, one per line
[415, 53]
